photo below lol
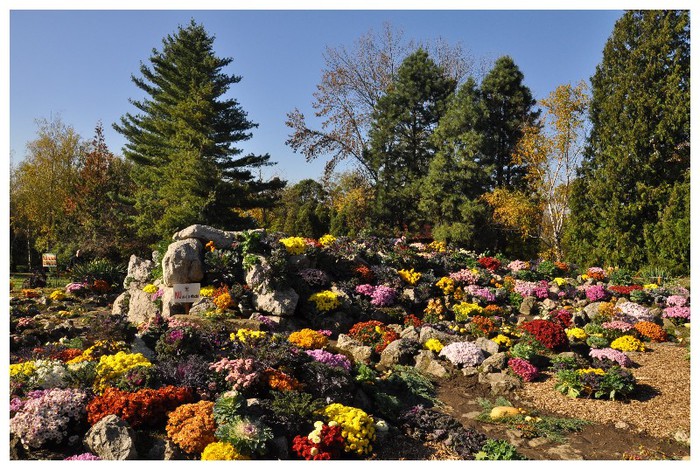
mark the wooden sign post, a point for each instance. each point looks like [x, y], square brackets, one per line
[186, 294]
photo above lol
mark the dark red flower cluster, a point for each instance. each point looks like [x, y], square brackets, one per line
[562, 316]
[489, 262]
[58, 353]
[482, 326]
[330, 447]
[365, 273]
[624, 290]
[145, 407]
[373, 333]
[550, 334]
[523, 369]
[412, 320]
[100, 286]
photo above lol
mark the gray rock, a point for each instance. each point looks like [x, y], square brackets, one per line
[470, 371]
[397, 352]
[549, 304]
[410, 332]
[426, 363]
[564, 452]
[111, 438]
[205, 234]
[353, 349]
[427, 332]
[138, 272]
[141, 307]
[182, 262]
[255, 275]
[164, 449]
[138, 345]
[682, 436]
[276, 302]
[121, 304]
[579, 318]
[591, 309]
[527, 306]
[500, 382]
[204, 304]
[489, 347]
[495, 363]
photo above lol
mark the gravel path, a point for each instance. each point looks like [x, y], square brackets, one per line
[660, 406]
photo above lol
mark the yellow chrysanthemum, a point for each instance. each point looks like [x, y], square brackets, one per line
[326, 240]
[294, 245]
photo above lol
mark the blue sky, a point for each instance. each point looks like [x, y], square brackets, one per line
[77, 64]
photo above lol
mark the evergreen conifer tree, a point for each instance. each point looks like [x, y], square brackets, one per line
[457, 176]
[508, 108]
[638, 155]
[400, 144]
[182, 141]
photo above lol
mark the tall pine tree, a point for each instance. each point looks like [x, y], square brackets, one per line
[400, 145]
[508, 109]
[638, 155]
[457, 176]
[182, 142]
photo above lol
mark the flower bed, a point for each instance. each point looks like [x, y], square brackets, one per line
[225, 383]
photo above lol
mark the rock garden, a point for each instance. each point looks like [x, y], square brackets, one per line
[353, 349]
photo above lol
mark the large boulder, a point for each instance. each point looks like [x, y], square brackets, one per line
[428, 332]
[205, 234]
[141, 307]
[354, 349]
[527, 306]
[591, 309]
[426, 363]
[183, 262]
[281, 302]
[487, 346]
[138, 273]
[495, 363]
[398, 352]
[111, 438]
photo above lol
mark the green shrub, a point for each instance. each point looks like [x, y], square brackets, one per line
[99, 269]
[498, 449]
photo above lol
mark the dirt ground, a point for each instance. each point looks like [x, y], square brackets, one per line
[618, 431]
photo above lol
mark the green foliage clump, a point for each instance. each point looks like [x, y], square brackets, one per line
[498, 449]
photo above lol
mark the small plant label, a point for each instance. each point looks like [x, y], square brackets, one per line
[186, 293]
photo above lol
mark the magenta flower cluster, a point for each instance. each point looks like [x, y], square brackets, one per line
[517, 265]
[481, 292]
[611, 354]
[525, 288]
[523, 369]
[620, 325]
[85, 456]
[328, 358]
[633, 312]
[542, 290]
[241, 373]
[676, 301]
[465, 276]
[678, 312]
[46, 415]
[596, 293]
[382, 296]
